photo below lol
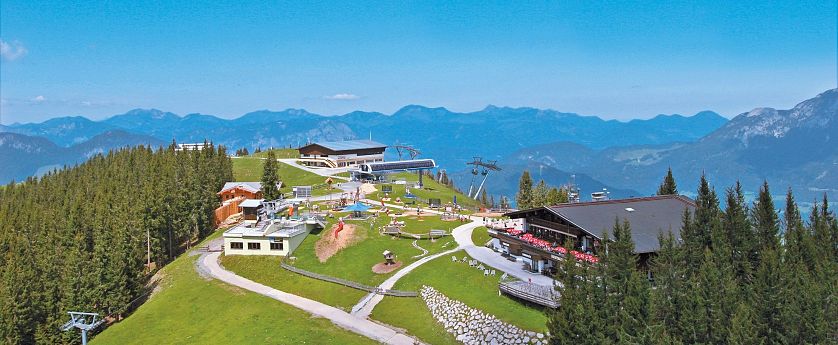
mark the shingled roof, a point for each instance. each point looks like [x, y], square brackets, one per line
[648, 217]
[252, 187]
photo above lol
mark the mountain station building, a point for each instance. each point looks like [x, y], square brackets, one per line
[340, 154]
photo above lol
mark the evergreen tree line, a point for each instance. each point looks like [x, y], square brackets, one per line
[735, 276]
[76, 239]
[540, 195]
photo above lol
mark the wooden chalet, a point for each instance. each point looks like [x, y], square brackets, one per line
[246, 190]
[546, 230]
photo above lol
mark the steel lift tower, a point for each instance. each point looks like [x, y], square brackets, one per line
[413, 152]
[84, 322]
[410, 150]
[478, 164]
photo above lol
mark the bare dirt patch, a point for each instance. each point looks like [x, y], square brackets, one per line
[328, 245]
[382, 268]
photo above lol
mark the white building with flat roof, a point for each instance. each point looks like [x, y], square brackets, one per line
[269, 237]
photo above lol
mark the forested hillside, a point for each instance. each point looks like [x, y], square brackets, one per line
[742, 275]
[76, 239]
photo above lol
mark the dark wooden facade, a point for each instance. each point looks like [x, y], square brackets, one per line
[251, 213]
[318, 150]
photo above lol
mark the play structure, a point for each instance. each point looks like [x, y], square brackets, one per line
[358, 209]
[389, 257]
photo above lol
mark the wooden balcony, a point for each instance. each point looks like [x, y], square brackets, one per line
[564, 228]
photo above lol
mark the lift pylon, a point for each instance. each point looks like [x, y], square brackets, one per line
[83, 321]
[479, 167]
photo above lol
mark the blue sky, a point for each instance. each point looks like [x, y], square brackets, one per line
[615, 59]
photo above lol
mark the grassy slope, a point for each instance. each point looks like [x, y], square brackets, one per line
[250, 169]
[279, 153]
[194, 310]
[266, 270]
[480, 236]
[355, 262]
[469, 287]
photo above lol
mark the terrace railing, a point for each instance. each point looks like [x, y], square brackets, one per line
[538, 294]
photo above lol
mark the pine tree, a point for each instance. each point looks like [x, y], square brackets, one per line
[765, 221]
[739, 235]
[504, 202]
[706, 214]
[628, 290]
[524, 198]
[539, 194]
[767, 299]
[270, 179]
[484, 199]
[743, 329]
[668, 297]
[668, 186]
[556, 196]
[564, 323]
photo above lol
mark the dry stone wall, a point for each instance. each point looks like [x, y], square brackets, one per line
[472, 326]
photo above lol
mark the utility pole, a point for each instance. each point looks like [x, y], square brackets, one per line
[148, 247]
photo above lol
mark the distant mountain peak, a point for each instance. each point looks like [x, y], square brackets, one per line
[151, 113]
[763, 111]
[420, 111]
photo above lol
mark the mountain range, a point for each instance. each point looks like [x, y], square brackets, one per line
[449, 137]
[794, 147]
[25, 156]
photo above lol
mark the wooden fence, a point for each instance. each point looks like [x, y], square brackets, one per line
[349, 283]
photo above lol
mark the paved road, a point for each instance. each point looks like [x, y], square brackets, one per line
[491, 258]
[209, 264]
[319, 171]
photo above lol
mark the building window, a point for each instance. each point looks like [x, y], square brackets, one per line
[254, 246]
[236, 245]
[276, 245]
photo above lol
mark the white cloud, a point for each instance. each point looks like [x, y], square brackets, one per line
[39, 99]
[12, 51]
[342, 97]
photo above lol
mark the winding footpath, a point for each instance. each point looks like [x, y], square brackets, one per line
[367, 304]
[416, 245]
[209, 264]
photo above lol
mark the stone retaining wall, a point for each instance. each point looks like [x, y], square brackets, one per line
[472, 326]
